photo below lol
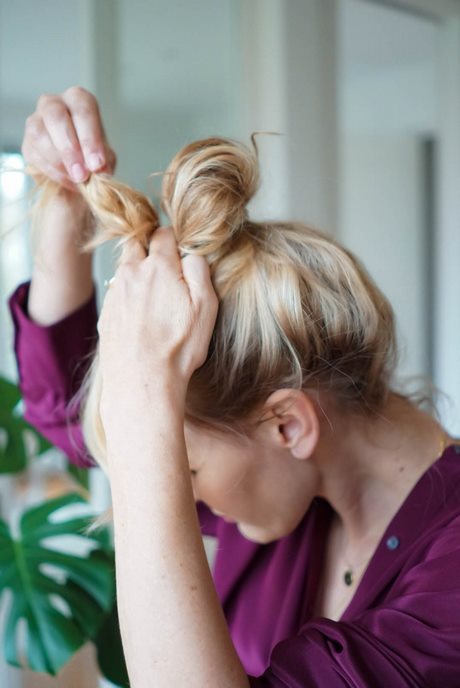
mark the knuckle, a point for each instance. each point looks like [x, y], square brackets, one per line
[88, 145]
[83, 111]
[69, 155]
[79, 93]
[54, 111]
[161, 259]
[33, 125]
[44, 99]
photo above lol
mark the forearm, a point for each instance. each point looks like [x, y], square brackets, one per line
[62, 274]
[173, 628]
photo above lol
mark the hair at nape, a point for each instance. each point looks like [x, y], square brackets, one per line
[296, 310]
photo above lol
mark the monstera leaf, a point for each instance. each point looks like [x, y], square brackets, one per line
[110, 654]
[13, 428]
[62, 598]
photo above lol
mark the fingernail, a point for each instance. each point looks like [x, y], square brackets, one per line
[95, 161]
[77, 172]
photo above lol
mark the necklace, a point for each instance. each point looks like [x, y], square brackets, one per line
[350, 574]
[355, 567]
[353, 571]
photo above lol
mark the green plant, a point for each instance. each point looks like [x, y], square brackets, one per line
[14, 429]
[63, 598]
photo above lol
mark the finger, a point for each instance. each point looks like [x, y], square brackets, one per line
[88, 126]
[54, 173]
[59, 126]
[163, 245]
[132, 251]
[198, 277]
[109, 167]
[111, 161]
[39, 151]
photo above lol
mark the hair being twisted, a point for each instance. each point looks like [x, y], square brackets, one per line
[296, 309]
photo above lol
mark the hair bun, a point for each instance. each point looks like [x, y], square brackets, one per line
[205, 192]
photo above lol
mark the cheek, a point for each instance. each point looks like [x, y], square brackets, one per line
[265, 500]
[226, 487]
[229, 487]
[276, 511]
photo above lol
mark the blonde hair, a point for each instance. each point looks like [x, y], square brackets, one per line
[296, 310]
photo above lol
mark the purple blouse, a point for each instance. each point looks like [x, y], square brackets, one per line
[402, 627]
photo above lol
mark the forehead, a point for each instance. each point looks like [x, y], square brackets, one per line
[205, 440]
[203, 434]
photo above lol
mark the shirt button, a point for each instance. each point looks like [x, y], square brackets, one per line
[392, 542]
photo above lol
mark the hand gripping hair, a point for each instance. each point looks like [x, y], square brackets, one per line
[296, 310]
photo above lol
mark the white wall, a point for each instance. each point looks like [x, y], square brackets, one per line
[389, 96]
[447, 330]
[38, 53]
[382, 221]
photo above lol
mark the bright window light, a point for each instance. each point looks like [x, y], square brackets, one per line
[12, 178]
[15, 259]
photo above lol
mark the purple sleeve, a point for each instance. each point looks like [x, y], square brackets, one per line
[412, 640]
[51, 363]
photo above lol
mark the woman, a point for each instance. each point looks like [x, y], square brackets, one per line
[335, 500]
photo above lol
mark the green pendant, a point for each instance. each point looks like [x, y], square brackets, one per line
[348, 577]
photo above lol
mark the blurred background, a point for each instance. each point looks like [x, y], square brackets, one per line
[365, 97]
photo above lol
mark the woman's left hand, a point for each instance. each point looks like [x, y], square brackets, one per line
[156, 322]
[155, 328]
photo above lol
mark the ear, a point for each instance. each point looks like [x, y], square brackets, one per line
[296, 423]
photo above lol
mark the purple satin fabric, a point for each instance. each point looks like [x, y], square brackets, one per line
[402, 627]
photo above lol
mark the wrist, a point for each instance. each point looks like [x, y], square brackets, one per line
[143, 436]
[66, 217]
[143, 402]
[62, 274]
[141, 393]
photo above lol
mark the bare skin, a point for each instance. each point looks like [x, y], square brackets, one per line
[297, 454]
[167, 602]
[364, 467]
[382, 461]
[64, 139]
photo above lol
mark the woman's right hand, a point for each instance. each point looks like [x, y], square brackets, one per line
[65, 140]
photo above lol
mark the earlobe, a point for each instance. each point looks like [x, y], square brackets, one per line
[297, 421]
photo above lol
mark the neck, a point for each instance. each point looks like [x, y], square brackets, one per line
[367, 467]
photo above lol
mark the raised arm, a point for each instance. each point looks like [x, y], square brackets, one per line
[64, 140]
[55, 318]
